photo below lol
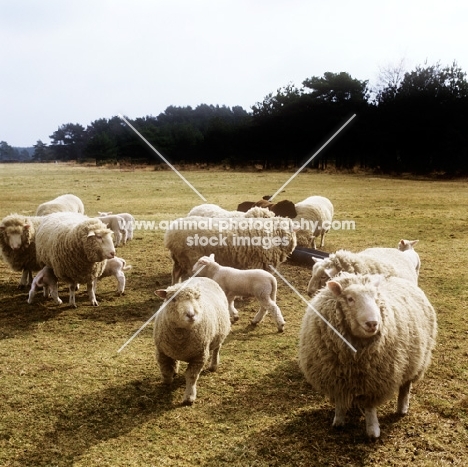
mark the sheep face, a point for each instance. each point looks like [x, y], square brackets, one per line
[359, 304]
[182, 306]
[203, 261]
[99, 245]
[321, 273]
[16, 236]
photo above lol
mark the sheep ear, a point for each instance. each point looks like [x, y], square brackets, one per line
[330, 272]
[27, 226]
[316, 260]
[212, 256]
[413, 242]
[91, 233]
[335, 287]
[161, 293]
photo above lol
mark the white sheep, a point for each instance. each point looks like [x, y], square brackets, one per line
[190, 326]
[116, 267]
[385, 261]
[245, 243]
[76, 247]
[244, 283]
[63, 203]
[47, 280]
[314, 219]
[129, 225]
[407, 246]
[215, 211]
[115, 223]
[17, 245]
[391, 325]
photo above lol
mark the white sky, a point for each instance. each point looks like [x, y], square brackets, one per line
[76, 61]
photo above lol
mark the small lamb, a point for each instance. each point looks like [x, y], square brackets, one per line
[45, 278]
[244, 283]
[408, 247]
[116, 267]
[190, 326]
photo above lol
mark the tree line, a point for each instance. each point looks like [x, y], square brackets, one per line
[412, 121]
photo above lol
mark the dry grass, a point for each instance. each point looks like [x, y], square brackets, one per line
[68, 398]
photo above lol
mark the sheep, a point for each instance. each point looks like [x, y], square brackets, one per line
[386, 261]
[115, 223]
[284, 208]
[314, 217]
[190, 326]
[47, 279]
[254, 243]
[391, 325]
[243, 283]
[76, 247]
[407, 246]
[215, 211]
[63, 203]
[17, 245]
[129, 224]
[116, 267]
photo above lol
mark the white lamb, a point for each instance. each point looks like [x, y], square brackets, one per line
[392, 327]
[117, 225]
[129, 225]
[190, 326]
[385, 261]
[116, 267]
[76, 247]
[47, 280]
[407, 246]
[253, 243]
[63, 203]
[215, 211]
[314, 219]
[244, 283]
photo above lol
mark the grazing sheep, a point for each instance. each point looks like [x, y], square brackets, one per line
[129, 224]
[116, 267]
[314, 217]
[76, 247]
[46, 279]
[63, 203]
[393, 328]
[284, 208]
[385, 261]
[244, 283]
[17, 245]
[117, 225]
[190, 326]
[243, 243]
[407, 246]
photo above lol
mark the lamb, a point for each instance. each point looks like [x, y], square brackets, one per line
[116, 267]
[238, 283]
[115, 223]
[391, 325]
[45, 278]
[76, 247]
[254, 243]
[63, 203]
[190, 326]
[314, 216]
[385, 261]
[407, 246]
[129, 224]
[17, 245]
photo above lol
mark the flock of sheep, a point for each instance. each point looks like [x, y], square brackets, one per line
[367, 333]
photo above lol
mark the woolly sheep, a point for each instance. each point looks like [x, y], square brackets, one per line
[254, 243]
[76, 247]
[115, 223]
[407, 246]
[243, 283]
[190, 326]
[393, 328]
[116, 267]
[215, 211]
[385, 261]
[47, 280]
[17, 244]
[314, 216]
[129, 224]
[63, 203]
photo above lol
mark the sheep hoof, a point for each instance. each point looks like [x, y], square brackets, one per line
[187, 402]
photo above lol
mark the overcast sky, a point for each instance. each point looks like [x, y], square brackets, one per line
[76, 61]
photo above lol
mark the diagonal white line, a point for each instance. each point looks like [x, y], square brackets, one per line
[311, 158]
[162, 157]
[164, 304]
[314, 310]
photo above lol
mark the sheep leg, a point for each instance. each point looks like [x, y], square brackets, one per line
[403, 398]
[72, 288]
[233, 313]
[192, 373]
[168, 366]
[214, 359]
[176, 273]
[26, 279]
[372, 422]
[260, 315]
[120, 283]
[54, 294]
[91, 288]
[278, 317]
[340, 415]
[32, 292]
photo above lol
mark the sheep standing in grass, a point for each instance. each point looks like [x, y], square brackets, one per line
[244, 283]
[190, 326]
[63, 203]
[129, 224]
[76, 247]
[393, 328]
[18, 245]
[385, 261]
[117, 225]
[407, 246]
[116, 267]
[215, 211]
[314, 218]
[47, 280]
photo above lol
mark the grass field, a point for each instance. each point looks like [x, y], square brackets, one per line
[68, 398]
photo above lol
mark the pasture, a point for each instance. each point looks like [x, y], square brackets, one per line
[68, 398]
